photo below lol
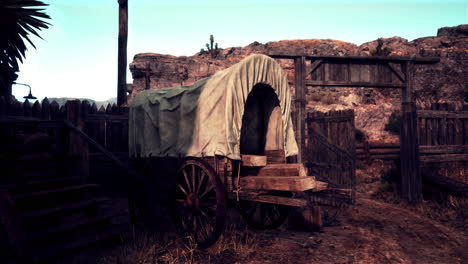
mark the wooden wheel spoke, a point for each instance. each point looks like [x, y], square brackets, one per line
[187, 181]
[182, 189]
[200, 183]
[193, 178]
[208, 189]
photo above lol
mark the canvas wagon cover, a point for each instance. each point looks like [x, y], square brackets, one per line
[205, 119]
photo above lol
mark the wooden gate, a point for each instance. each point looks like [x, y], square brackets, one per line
[330, 147]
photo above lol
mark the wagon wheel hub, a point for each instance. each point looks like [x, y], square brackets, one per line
[192, 201]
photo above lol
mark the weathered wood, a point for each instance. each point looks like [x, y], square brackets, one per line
[397, 71]
[275, 183]
[313, 66]
[449, 185]
[253, 160]
[409, 159]
[265, 198]
[36, 110]
[354, 84]
[444, 158]
[45, 111]
[300, 101]
[291, 55]
[442, 114]
[77, 147]
[122, 53]
[290, 169]
[275, 156]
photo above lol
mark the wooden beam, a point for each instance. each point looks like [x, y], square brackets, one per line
[272, 199]
[398, 59]
[299, 83]
[397, 72]
[313, 66]
[122, 53]
[411, 185]
[444, 158]
[442, 114]
[354, 84]
[278, 183]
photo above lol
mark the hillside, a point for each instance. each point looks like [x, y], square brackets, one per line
[445, 81]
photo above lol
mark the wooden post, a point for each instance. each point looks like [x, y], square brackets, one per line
[122, 53]
[299, 83]
[77, 148]
[409, 145]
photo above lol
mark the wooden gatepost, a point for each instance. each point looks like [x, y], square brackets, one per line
[363, 72]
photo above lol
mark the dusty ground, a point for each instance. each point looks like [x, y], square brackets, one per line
[373, 231]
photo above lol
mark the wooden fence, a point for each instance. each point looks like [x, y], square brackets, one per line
[107, 125]
[442, 131]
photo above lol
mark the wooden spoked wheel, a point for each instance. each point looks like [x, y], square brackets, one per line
[264, 216]
[200, 203]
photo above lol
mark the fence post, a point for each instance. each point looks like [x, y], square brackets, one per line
[77, 147]
[299, 83]
[411, 189]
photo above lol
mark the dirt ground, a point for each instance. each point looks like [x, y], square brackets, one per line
[372, 231]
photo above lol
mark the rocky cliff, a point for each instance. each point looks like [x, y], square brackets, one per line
[444, 81]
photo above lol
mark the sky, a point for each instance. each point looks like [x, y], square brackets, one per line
[78, 54]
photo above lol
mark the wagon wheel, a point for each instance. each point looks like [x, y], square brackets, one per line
[200, 203]
[264, 216]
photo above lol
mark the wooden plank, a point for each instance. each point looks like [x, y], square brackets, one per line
[276, 183]
[442, 114]
[397, 71]
[313, 66]
[373, 145]
[45, 111]
[272, 199]
[440, 149]
[354, 84]
[275, 156]
[253, 160]
[281, 54]
[289, 169]
[444, 158]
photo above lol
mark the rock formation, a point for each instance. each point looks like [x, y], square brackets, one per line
[444, 81]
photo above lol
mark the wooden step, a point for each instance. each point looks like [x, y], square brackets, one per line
[285, 169]
[51, 216]
[278, 183]
[40, 185]
[54, 197]
[66, 228]
[90, 240]
[63, 208]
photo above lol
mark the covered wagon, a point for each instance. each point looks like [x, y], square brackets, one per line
[231, 134]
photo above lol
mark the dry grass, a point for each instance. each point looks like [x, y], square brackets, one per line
[236, 243]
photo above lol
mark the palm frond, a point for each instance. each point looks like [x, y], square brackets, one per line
[19, 19]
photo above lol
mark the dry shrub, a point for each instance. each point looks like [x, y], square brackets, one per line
[316, 97]
[328, 99]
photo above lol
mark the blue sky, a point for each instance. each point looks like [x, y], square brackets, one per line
[78, 56]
